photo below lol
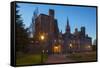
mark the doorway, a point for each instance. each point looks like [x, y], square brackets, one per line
[57, 49]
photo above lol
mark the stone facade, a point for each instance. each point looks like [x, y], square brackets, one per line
[47, 25]
[58, 42]
[76, 42]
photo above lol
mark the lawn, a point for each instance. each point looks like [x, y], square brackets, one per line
[84, 56]
[29, 59]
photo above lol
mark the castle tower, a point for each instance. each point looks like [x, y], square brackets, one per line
[68, 26]
[83, 31]
[51, 13]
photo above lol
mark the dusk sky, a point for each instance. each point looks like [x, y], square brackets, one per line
[78, 16]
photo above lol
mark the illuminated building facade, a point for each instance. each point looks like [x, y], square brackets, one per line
[79, 41]
[57, 42]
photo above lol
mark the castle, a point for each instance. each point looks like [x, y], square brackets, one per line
[56, 41]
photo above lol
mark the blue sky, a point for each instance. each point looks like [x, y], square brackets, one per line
[78, 16]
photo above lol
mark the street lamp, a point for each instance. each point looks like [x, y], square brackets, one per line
[46, 52]
[42, 37]
[42, 51]
[70, 45]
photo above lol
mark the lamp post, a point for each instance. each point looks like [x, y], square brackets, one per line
[70, 45]
[47, 53]
[42, 51]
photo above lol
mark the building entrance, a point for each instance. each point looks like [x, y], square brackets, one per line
[57, 49]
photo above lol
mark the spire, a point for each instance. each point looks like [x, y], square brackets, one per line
[35, 13]
[67, 21]
[68, 26]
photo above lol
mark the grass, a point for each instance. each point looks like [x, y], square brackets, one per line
[84, 56]
[29, 59]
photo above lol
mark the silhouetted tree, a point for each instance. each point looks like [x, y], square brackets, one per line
[21, 34]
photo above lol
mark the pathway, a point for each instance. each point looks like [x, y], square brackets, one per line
[58, 59]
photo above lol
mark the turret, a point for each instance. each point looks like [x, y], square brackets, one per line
[76, 31]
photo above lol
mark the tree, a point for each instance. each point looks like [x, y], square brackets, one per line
[21, 34]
